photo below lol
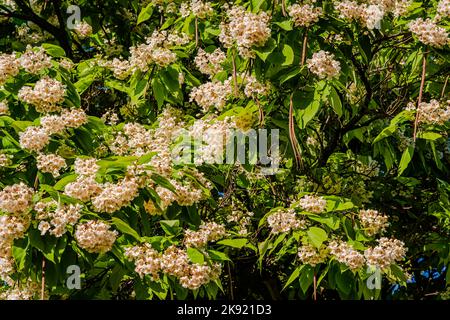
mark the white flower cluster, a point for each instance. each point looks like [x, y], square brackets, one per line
[253, 88]
[210, 63]
[46, 95]
[83, 188]
[56, 221]
[312, 203]
[369, 15]
[156, 50]
[345, 254]
[51, 163]
[304, 15]
[386, 253]
[146, 259]
[211, 138]
[192, 276]
[16, 199]
[95, 236]
[4, 109]
[31, 290]
[246, 29]
[83, 29]
[36, 138]
[429, 33]
[443, 8]
[201, 9]
[120, 68]
[243, 220]
[434, 112]
[323, 65]
[86, 166]
[373, 222]
[5, 160]
[212, 94]
[11, 228]
[9, 66]
[284, 220]
[34, 60]
[309, 254]
[207, 232]
[116, 195]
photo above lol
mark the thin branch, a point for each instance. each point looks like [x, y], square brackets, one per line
[419, 100]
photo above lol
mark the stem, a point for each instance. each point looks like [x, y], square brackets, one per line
[231, 281]
[444, 87]
[234, 74]
[43, 279]
[292, 136]
[261, 113]
[283, 7]
[304, 47]
[315, 288]
[419, 100]
[196, 32]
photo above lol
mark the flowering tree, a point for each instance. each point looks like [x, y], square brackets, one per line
[96, 175]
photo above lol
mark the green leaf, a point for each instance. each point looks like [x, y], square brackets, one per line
[159, 91]
[317, 236]
[123, 227]
[64, 181]
[335, 102]
[19, 252]
[406, 159]
[54, 50]
[294, 275]
[288, 55]
[218, 256]
[264, 52]
[429, 135]
[145, 13]
[344, 282]
[235, 243]
[170, 227]
[195, 255]
[285, 25]
[306, 278]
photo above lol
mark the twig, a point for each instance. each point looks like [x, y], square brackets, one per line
[196, 32]
[283, 7]
[304, 47]
[43, 279]
[315, 287]
[444, 87]
[292, 136]
[231, 281]
[419, 100]
[234, 74]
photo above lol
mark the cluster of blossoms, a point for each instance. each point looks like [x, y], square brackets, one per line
[11, 228]
[309, 254]
[434, 112]
[345, 254]
[5, 160]
[54, 218]
[35, 60]
[4, 109]
[114, 196]
[253, 88]
[304, 15]
[83, 29]
[210, 137]
[84, 187]
[373, 222]
[212, 94]
[36, 138]
[312, 203]
[246, 29]
[156, 50]
[387, 252]
[443, 8]
[200, 9]
[147, 260]
[323, 65]
[28, 291]
[16, 199]
[284, 220]
[46, 95]
[368, 15]
[9, 67]
[95, 236]
[429, 33]
[210, 63]
[173, 261]
[207, 232]
[242, 219]
[50, 163]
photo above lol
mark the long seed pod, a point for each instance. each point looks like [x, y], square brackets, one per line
[419, 100]
[293, 137]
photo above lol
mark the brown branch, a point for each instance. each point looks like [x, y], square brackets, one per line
[304, 47]
[292, 137]
[419, 100]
